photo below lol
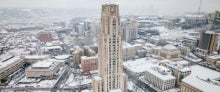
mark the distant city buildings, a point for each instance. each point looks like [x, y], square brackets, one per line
[45, 36]
[215, 20]
[129, 30]
[194, 20]
[129, 34]
[156, 53]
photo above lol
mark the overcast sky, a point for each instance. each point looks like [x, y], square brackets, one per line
[126, 6]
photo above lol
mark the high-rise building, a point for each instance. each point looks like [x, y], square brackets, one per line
[111, 76]
[208, 41]
[129, 34]
[129, 30]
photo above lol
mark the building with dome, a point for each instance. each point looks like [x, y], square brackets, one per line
[170, 52]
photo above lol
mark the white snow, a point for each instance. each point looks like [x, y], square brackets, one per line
[115, 90]
[130, 85]
[8, 62]
[36, 56]
[97, 78]
[140, 65]
[61, 57]
[36, 83]
[44, 64]
[73, 81]
[199, 76]
[169, 47]
[161, 76]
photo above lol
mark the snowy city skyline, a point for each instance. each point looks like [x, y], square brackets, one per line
[144, 7]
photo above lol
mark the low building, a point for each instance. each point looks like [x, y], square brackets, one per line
[190, 42]
[170, 52]
[94, 47]
[212, 59]
[140, 41]
[179, 70]
[128, 51]
[43, 69]
[201, 79]
[34, 58]
[89, 52]
[184, 50]
[77, 56]
[8, 65]
[52, 50]
[141, 53]
[97, 82]
[89, 64]
[215, 17]
[217, 64]
[45, 36]
[77, 53]
[160, 77]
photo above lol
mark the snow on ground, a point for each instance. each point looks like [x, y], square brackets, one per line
[36, 83]
[130, 85]
[86, 90]
[77, 80]
[173, 90]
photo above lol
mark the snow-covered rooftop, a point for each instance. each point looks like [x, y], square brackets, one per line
[97, 78]
[42, 64]
[8, 60]
[179, 65]
[140, 65]
[61, 57]
[127, 45]
[36, 56]
[214, 57]
[161, 72]
[170, 47]
[195, 15]
[115, 90]
[199, 76]
[52, 47]
[210, 32]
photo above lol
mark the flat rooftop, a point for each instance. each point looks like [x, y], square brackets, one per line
[140, 65]
[43, 64]
[115, 90]
[8, 60]
[163, 73]
[97, 78]
[36, 56]
[199, 78]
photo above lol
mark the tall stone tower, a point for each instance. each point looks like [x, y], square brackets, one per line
[111, 77]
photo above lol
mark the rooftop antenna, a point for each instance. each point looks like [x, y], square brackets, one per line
[200, 3]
